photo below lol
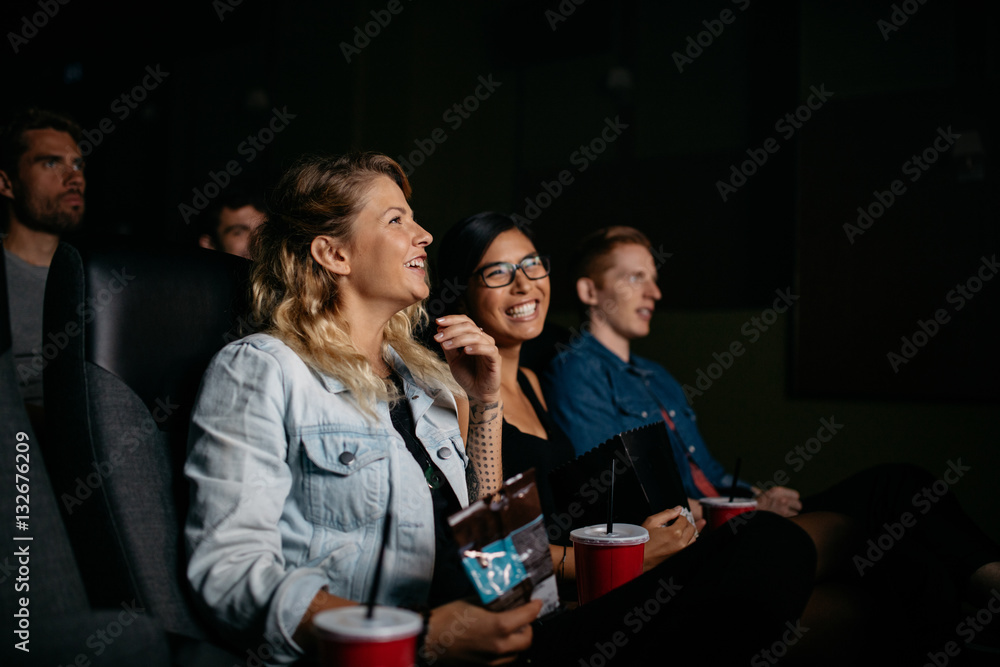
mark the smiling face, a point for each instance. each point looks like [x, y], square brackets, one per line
[47, 192]
[387, 251]
[515, 313]
[623, 297]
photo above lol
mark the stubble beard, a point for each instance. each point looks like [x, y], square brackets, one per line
[46, 214]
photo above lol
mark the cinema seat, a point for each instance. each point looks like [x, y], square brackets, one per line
[133, 328]
[60, 623]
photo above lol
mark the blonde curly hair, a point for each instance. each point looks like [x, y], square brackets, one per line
[296, 299]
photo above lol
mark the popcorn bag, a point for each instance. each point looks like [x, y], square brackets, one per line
[504, 547]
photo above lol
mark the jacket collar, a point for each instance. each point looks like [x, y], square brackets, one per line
[421, 397]
[335, 386]
[635, 364]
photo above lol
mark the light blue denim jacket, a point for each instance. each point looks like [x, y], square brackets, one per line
[290, 487]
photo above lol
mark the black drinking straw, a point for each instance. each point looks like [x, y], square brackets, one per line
[611, 500]
[378, 566]
[736, 476]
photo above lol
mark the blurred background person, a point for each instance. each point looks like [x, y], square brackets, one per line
[42, 184]
[597, 387]
[227, 224]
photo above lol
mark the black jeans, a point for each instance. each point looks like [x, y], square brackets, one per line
[734, 592]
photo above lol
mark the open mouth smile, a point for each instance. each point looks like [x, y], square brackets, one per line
[522, 311]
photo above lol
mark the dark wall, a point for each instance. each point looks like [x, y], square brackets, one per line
[557, 85]
[678, 117]
[897, 207]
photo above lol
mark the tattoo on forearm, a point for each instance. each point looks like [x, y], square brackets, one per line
[484, 474]
[480, 413]
[472, 482]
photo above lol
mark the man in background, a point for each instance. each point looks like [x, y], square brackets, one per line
[596, 387]
[42, 186]
[227, 225]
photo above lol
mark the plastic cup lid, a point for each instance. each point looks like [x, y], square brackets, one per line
[350, 624]
[625, 534]
[723, 501]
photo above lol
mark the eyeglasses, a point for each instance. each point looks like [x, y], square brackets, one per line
[501, 274]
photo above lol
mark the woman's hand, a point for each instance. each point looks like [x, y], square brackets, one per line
[473, 357]
[665, 541]
[475, 363]
[698, 513]
[780, 500]
[461, 633]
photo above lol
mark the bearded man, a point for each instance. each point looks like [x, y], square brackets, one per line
[42, 184]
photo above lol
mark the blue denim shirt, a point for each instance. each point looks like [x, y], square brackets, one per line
[593, 394]
[290, 487]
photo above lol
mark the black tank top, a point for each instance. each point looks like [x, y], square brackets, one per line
[449, 581]
[523, 450]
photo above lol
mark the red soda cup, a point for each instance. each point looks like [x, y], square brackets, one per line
[606, 561]
[719, 510]
[347, 638]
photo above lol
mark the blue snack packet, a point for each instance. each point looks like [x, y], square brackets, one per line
[504, 547]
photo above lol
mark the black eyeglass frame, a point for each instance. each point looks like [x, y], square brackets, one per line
[544, 259]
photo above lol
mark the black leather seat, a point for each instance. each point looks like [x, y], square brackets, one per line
[61, 625]
[137, 327]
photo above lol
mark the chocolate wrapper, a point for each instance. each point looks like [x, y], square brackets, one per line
[504, 547]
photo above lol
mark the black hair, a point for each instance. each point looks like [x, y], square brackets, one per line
[208, 220]
[12, 141]
[460, 251]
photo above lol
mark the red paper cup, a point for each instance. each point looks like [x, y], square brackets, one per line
[348, 639]
[605, 562]
[720, 510]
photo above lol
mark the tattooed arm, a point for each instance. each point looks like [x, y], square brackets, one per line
[483, 446]
[475, 363]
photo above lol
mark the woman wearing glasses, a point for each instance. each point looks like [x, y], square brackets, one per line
[505, 290]
[508, 294]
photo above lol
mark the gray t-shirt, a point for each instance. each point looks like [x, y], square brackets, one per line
[25, 291]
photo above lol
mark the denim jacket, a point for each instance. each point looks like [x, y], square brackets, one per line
[593, 394]
[290, 487]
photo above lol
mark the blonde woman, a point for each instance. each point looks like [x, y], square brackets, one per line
[306, 434]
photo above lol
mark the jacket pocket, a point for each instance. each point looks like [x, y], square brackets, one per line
[346, 477]
[639, 410]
